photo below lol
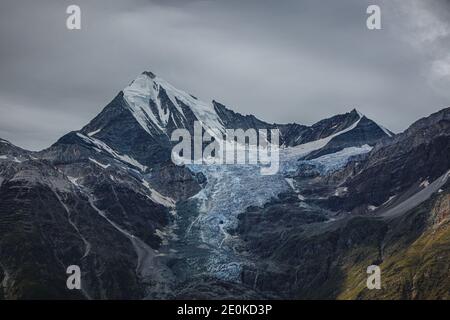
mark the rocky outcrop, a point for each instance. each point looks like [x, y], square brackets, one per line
[419, 155]
[312, 260]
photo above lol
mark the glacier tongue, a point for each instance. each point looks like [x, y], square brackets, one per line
[229, 191]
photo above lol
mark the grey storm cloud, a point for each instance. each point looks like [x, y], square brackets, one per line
[282, 61]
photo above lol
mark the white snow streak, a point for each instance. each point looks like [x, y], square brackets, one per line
[157, 197]
[124, 158]
[304, 149]
[90, 134]
[104, 166]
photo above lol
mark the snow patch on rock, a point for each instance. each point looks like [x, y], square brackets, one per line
[103, 146]
[104, 166]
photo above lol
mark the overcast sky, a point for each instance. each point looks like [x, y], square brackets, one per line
[283, 61]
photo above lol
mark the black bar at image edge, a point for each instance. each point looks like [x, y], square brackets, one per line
[235, 309]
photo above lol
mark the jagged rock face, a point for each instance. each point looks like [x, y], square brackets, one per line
[419, 154]
[441, 211]
[234, 120]
[327, 127]
[295, 134]
[59, 220]
[119, 130]
[8, 151]
[291, 134]
[303, 266]
[299, 257]
[176, 182]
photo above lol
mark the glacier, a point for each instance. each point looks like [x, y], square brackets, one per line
[229, 191]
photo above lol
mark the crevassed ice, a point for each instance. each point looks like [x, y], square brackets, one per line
[233, 188]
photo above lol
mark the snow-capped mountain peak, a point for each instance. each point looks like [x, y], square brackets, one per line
[155, 103]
